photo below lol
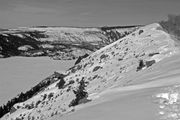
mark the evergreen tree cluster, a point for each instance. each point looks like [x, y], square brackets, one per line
[81, 58]
[80, 94]
[24, 96]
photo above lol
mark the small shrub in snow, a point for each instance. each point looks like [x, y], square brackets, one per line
[44, 97]
[104, 56]
[50, 95]
[140, 31]
[71, 82]
[29, 106]
[61, 83]
[96, 68]
[38, 102]
[141, 65]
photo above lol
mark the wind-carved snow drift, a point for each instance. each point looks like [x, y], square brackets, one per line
[169, 103]
[103, 69]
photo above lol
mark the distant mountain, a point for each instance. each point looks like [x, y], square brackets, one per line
[114, 66]
[58, 42]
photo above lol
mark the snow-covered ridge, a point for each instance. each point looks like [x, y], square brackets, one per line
[108, 67]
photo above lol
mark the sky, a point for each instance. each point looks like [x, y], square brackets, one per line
[91, 13]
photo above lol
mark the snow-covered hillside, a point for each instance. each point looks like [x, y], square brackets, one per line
[130, 63]
[58, 42]
[22, 73]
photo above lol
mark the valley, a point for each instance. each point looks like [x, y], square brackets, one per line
[59, 43]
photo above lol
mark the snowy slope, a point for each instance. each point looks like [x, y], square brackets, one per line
[116, 67]
[22, 73]
[156, 99]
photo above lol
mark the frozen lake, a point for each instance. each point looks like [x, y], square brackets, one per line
[19, 74]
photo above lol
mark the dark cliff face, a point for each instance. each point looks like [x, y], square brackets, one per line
[58, 44]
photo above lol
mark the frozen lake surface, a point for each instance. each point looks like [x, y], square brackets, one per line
[19, 74]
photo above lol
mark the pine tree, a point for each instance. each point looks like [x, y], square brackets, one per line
[80, 94]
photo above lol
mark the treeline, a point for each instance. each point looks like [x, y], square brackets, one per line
[25, 96]
[172, 25]
[104, 28]
[114, 35]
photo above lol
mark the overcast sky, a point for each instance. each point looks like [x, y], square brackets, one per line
[14, 13]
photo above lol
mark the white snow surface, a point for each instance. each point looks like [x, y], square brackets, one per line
[117, 88]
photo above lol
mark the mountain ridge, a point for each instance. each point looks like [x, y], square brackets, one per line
[107, 68]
